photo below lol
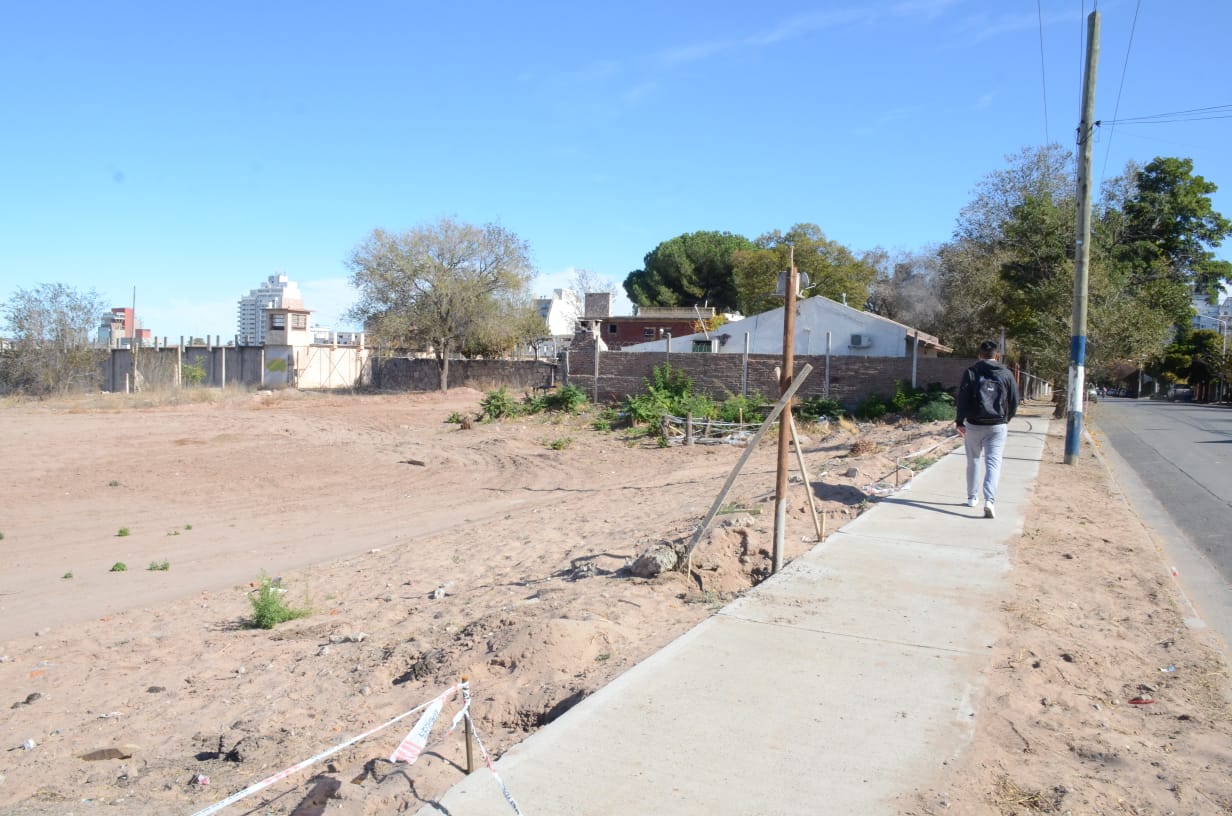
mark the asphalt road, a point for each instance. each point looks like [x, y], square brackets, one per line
[1176, 464]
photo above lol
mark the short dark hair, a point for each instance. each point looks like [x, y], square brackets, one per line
[988, 348]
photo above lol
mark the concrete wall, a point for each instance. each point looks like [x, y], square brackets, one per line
[408, 374]
[851, 379]
[238, 366]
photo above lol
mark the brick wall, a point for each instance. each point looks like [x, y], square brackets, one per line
[720, 375]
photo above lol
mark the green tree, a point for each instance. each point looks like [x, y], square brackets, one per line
[1170, 228]
[834, 271]
[439, 285]
[50, 326]
[693, 269]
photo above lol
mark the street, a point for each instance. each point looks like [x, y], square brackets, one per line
[1175, 461]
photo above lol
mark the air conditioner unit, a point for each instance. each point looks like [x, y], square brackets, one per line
[861, 341]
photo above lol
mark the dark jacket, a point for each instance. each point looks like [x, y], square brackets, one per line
[986, 368]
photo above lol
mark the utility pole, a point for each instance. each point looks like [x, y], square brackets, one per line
[789, 362]
[132, 340]
[1082, 255]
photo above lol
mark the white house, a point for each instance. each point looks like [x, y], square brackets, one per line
[561, 312]
[853, 333]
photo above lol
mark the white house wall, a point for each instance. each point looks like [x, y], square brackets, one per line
[814, 317]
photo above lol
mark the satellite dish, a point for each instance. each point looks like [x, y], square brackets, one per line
[802, 283]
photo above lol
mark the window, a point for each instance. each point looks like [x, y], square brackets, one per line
[299, 321]
[648, 332]
[611, 328]
[278, 321]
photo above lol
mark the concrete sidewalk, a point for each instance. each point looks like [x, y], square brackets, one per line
[840, 685]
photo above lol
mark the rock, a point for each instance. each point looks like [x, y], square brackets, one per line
[659, 558]
[107, 753]
[852, 473]
[29, 745]
[156, 689]
[436, 594]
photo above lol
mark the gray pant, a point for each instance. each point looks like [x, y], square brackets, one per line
[987, 442]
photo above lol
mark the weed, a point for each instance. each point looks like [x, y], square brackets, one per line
[159, 566]
[499, 405]
[270, 607]
[599, 658]
[814, 408]
[66, 576]
[187, 526]
[122, 532]
[1, 536]
[113, 483]
[456, 418]
[173, 532]
[601, 424]
[921, 462]
[560, 443]
[119, 566]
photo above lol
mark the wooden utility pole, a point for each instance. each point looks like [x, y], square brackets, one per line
[1082, 255]
[789, 362]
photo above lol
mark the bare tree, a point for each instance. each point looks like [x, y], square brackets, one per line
[50, 327]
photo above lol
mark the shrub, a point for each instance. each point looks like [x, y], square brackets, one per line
[569, 399]
[935, 410]
[122, 532]
[159, 566]
[668, 391]
[66, 576]
[560, 443]
[270, 607]
[192, 373]
[872, 407]
[814, 408]
[739, 408]
[119, 566]
[456, 418]
[499, 405]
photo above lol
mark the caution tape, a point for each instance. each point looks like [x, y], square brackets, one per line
[407, 751]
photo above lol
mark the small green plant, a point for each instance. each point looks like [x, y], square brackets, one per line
[192, 373]
[560, 443]
[739, 408]
[173, 532]
[159, 566]
[270, 607]
[1, 536]
[499, 405]
[939, 409]
[456, 418]
[599, 658]
[122, 532]
[113, 483]
[187, 526]
[119, 566]
[66, 576]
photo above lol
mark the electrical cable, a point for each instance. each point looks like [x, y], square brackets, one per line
[1121, 87]
[1043, 79]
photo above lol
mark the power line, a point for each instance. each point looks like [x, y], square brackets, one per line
[1117, 108]
[1190, 115]
[1043, 79]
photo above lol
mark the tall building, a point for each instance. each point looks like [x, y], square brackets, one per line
[277, 292]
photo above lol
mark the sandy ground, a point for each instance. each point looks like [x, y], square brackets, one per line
[426, 553]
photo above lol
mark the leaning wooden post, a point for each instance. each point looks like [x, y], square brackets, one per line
[808, 483]
[744, 457]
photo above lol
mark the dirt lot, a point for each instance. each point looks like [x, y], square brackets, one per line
[427, 552]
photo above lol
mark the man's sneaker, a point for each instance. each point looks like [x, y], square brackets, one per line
[971, 502]
[989, 512]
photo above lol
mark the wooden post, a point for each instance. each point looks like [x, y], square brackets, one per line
[688, 428]
[808, 483]
[744, 457]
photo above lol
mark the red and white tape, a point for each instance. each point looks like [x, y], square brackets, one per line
[408, 751]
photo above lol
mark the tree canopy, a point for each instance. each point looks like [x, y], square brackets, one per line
[1010, 263]
[449, 286]
[833, 270]
[694, 269]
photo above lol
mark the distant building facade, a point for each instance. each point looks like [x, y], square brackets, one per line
[277, 292]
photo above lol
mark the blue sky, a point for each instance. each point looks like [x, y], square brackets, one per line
[192, 150]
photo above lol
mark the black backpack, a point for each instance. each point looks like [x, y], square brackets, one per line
[991, 400]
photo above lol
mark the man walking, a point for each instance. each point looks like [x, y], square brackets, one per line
[987, 401]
